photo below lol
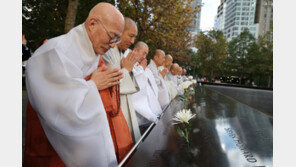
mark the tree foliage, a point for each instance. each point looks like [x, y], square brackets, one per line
[241, 52]
[46, 18]
[163, 24]
[211, 53]
[243, 56]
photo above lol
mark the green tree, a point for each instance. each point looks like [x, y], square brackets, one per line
[163, 24]
[47, 18]
[211, 53]
[265, 43]
[240, 53]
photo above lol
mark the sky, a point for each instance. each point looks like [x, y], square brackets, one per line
[208, 13]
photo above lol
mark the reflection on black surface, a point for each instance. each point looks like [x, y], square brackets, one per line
[224, 133]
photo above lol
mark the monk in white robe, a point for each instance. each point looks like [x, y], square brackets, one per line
[70, 108]
[172, 76]
[146, 100]
[184, 78]
[128, 86]
[163, 90]
[172, 88]
[179, 75]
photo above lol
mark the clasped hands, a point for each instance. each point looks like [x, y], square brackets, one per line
[163, 72]
[105, 78]
[129, 61]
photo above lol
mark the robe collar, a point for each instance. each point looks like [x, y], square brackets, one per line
[153, 64]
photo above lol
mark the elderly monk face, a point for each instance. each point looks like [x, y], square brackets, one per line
[141, 53]
[128, 37]
[180, 71]
[168, 62]
[184, 72]
[109, 36]
[104, 26]
[174, 69]
[159, 59]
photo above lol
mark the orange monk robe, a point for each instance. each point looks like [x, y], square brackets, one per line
[38, 150]
[120, 133]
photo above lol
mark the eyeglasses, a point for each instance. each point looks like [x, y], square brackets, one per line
[115, 39]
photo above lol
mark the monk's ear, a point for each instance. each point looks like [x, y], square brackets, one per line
[92, 23]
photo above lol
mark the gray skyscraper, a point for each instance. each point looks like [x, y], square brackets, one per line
[196, 28]
[264, 15]
[233, 16]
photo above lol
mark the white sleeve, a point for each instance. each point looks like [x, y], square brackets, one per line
[156, 76]
[127, 85]
[70, 110]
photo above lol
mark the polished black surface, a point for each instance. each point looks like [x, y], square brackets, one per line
[225, 133]
[261, 100]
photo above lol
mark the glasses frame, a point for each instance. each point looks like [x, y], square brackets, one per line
[115, 39]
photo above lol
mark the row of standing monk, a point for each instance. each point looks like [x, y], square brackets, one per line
[90, 96]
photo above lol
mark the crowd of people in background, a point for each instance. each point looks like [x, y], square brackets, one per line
[91, 96]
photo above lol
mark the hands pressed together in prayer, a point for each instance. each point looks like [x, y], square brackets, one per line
[143, 63]
[105, 78]
[163, 72]
[129, 61]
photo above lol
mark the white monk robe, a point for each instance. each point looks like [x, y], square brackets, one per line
[141, 99]
[163, 91]
[145, 101]
[128, 86]
[70, 108]
[153, 93]
[172, 88]
[176, 82]
[184, 78]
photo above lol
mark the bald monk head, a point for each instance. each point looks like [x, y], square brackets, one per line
[104, 26]
[180, 71]
[129, 34]
[141, 49]
[184, 72]
[174, 69]
[168, 61]
[158, 57]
